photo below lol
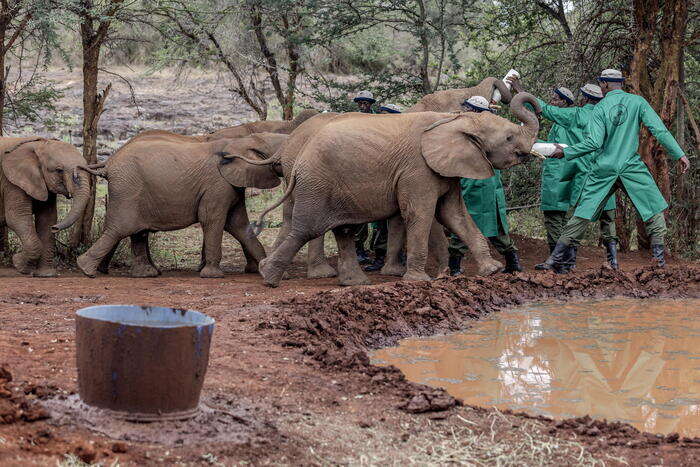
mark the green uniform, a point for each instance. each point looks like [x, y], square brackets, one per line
[612, 135]
[486, 203]
[554, 191]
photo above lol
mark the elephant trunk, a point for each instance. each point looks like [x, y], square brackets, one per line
[506, 95]
[79, 188]
[529, 119]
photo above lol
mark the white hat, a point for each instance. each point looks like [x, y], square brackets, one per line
[611, 75]
[477, 103]
[565, 94]
[365, 96]
[592, 91]
[391, 108]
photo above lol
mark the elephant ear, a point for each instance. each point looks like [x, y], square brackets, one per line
[240, 173]
[20, 165]
[451, 148]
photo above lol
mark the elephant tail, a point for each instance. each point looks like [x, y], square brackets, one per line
[99, 169]
[227, 157]
[255, 228]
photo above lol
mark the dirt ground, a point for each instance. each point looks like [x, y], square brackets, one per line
[290, 377]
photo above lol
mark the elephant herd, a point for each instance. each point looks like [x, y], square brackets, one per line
[340, 170]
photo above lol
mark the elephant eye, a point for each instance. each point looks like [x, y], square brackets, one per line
[509, 138]
[59, 169]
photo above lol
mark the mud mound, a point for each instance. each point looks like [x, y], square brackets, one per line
[14, 404]
[217, 421]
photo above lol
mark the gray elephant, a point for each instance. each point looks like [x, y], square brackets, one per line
[34, 171]
[159, 184]
[450, 100]
[264, 126]
[407, 164]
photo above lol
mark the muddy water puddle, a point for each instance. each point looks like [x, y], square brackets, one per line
[636, 361]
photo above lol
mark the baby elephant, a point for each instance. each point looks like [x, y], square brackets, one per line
[171, 183]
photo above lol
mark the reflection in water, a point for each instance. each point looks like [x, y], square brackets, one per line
[636, 361]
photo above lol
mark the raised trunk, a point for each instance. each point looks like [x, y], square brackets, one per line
[82, 195]
[529, 119]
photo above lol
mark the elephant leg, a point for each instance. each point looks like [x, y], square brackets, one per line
[274, 266]
[395, 243]
[103, 267]
[106, 243]
[45, 216]
[19, 218]
[287, 211]
[213, 223]
[202, 256]
[418, 214]
[317, 266]
[452, 213]
[438, 256]
[237, 225]
[141, 265]
[349, 270]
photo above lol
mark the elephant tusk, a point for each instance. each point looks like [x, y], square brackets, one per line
[537, 154]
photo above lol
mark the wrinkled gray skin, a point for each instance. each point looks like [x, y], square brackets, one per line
[160, 184]
[450, 100]
[34, 171]
[364, 168]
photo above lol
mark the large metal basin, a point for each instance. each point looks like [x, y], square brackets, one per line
[142, 363]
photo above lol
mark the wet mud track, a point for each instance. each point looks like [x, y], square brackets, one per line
[291, 366]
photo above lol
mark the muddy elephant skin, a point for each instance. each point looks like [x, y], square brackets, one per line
[168, 184]
[364, 168]
[34, 171]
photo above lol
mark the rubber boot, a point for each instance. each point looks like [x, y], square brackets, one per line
[557, 261]
[657, 252]
[362, 257]
[377, 264]
[455, 264]
[512, 262]
[611, 247]
[568, 262]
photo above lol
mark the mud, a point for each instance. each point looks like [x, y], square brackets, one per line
[15, 405]
[625, 360]
[298, 360]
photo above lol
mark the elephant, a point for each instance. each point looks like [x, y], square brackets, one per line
[263, 126]
[450, 100]
[34, 171]
[365, 168]
[161, 184]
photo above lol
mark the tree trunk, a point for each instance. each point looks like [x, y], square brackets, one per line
[3, 229]
[91, 116]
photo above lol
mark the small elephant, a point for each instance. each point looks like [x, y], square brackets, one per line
[364, 168]
[450, 100]
[264, 126]
[161, 184]
[34, 171]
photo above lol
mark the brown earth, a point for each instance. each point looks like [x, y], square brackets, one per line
[289, 366]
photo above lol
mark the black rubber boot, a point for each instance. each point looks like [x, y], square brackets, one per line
[611, 247]
[559, 260]
[376, 265]
[455, 264]
[512, 262]
[657, 252]
[362, 257]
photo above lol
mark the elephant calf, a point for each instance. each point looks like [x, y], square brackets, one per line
[168, 184]
[34, 171]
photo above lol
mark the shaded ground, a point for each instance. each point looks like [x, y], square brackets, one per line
[291, 365]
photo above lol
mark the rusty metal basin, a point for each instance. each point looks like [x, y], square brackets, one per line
[142, 363]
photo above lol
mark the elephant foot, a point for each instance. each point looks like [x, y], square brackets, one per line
[211, 272]
[489, 266]
[86, 266]
[320, 271]
[21, 264]
[251, 267]
[396, 269]
[415, 276]
[271, 275]
[358, 279]
[45, 272]
[144, 270]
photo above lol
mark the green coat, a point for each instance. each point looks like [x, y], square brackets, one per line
[555, 193]
[574, 121]
[486, 202]
[612, 135]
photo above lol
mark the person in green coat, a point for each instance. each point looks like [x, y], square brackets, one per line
[380, 229]
[364, 101]
[571, 123]
[486, 203]
[612, 135]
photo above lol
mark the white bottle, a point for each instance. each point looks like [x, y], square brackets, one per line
[496, 93]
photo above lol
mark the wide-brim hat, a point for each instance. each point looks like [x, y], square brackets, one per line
[592, 91]
[611, 75]
[565, 94]
[390, 108]
[365, 96]
[477, 104]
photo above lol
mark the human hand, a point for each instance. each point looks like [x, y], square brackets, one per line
[685, 164]
[558, 153]
[515, 83]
